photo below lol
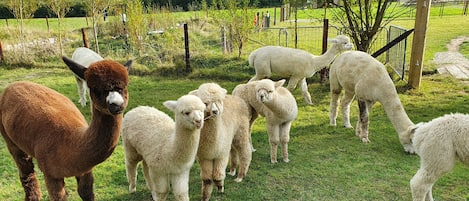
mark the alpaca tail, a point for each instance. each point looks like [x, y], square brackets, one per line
[251, 58]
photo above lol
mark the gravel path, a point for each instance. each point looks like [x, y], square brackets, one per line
[452, 61]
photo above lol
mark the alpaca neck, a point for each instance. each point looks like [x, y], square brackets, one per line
[101, 137]
[396, 114]
[326, 58]
[185, 144]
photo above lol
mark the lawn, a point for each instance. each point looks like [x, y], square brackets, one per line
[327, 163]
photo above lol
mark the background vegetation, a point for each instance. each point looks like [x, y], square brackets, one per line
[327, 163]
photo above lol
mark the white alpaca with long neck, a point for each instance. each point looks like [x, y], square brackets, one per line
[364, 77]
[38, 122]
[295, 64]
[167, 148]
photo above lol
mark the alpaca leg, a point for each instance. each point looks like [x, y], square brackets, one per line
[421, 185]
[305, 92]
[234, 160]
[219, 168]
[254, 116]
[146, 174]
[81, 86]
[160, 186]
[362, 127]
[131, 164]
[85, 186]
[261, 73]
[346, 101]
[274, 140]
[292, 83]
[181, 186]
[335, 94]
[56, 188]
[284, 132]
[206, 170]
[27, 174]
[244, 155]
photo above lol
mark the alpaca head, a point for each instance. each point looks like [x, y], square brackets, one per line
[107, 81]
[265, 89]
[342, 43]
[189, 109]
[213, 96]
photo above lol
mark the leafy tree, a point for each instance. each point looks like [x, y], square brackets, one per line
[366, 18]
[22, 9]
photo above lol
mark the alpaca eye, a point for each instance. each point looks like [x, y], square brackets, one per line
[186, 113]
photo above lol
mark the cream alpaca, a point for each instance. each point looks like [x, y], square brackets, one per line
[38, 122]
[277, 105]
[84, 57]
[439, 143]
[166, 147]
[294, 63]
[225, 134]
[361, 75]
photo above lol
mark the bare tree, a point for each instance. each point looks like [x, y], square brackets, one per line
[60, 8]
[365, 18]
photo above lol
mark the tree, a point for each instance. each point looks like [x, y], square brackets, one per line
[22, 9]
[60, 8]
[365, 18]
[96, 8]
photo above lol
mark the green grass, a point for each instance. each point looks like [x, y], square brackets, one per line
[327, 163]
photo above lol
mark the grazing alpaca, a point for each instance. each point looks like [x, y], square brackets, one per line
[363, 76]
[294, 63]
[439, 143]
[38, 122]
[84, 57]
[167, 148]
[277, 105]
[225, 134]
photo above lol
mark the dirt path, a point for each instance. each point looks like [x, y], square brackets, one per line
[452, 61]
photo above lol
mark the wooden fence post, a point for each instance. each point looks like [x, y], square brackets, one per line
[85, 40]
[186, 45]
[2, 57]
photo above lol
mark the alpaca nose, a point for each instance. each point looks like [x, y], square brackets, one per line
[198, 123]
[114, 108]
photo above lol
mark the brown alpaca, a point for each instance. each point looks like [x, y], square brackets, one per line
[38, 122]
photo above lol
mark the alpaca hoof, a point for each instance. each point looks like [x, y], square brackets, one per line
[286, 160]
[273, 161]
[348, 126]
[253, 150]
[132, 189]
[221, 189]
[365, 140]
[238, 180]
[232, 172]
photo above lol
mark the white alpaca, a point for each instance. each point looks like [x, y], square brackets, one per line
[294, 63]
[439, 143]
[277, 105]
[167, 148]
[361, 75]
[225, 135]
[84, 57]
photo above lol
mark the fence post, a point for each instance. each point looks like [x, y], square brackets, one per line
[2, 57]
[85, 40]
[325, 32]
[186, 45]
[47, 22]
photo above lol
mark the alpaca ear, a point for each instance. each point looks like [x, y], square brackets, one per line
[279, 83]
[333, 40]
[76, 68]
[171, 104]
[193, 92]
[128, 65]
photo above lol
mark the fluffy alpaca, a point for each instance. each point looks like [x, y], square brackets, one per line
[84, 57]
[277, 105]
[38, 122]
[294, 63]
[167, 148]
[225, 134]
[439, 143]
[361, 75]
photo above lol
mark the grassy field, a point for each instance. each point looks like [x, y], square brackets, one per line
[327, 163]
